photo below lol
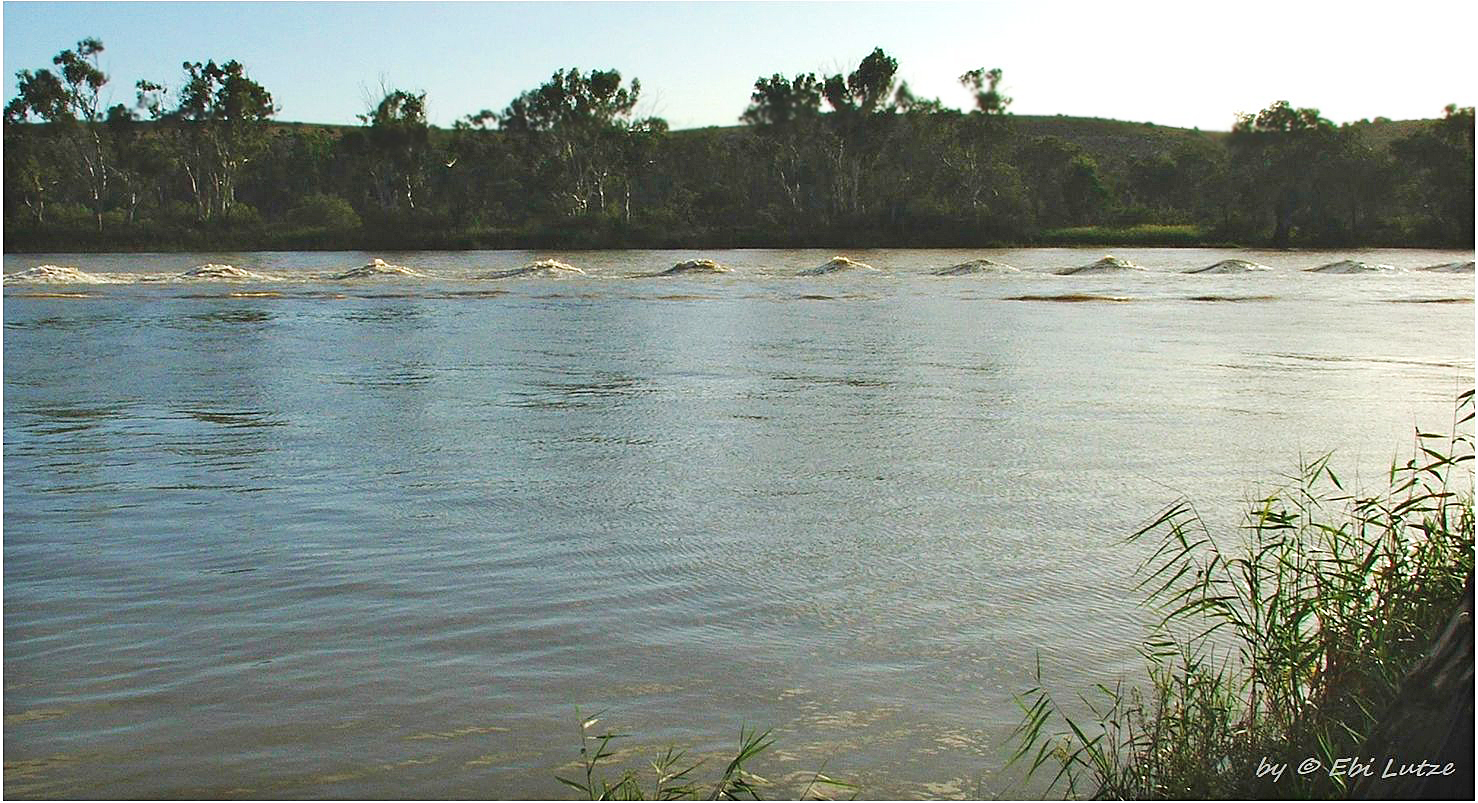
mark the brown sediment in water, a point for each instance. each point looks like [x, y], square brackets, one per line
[1429, 300]
[682, 297]
[1231, 298]
[1070, 298]
[816, 297]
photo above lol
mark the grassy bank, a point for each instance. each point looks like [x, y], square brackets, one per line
[1284, 644]
[1146, 235]
[437, 235]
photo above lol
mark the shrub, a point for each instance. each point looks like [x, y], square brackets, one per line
[324, 211]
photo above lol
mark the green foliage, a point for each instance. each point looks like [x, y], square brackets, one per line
[395, 149]
[71, 103]
[215, 128]
[1442, 156]
[325, 212]
[671, 775]
[1290, 161]
[1288, 644]
[1144, 234]
[852, 159]
[985, 84]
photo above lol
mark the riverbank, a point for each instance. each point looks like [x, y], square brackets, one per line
[592, 235]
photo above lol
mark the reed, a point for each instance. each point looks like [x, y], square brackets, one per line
[1288, 640]
[671, 776]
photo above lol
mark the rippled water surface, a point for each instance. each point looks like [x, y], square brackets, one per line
[306, 536]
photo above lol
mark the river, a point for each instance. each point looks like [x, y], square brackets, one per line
[381, 536]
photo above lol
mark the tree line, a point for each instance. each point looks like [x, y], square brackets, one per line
[854, 159]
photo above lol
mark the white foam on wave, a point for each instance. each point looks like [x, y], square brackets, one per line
[379, 268]
[56, 274]
[1451, 267]
[225, 273]
[976, 266]
[692, 266]
[1109, 264]
[545, 268]
[836, 265]
[1232, 266]
[1354, 266]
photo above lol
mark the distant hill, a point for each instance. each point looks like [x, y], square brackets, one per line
[1110, 142]
[1113, 143]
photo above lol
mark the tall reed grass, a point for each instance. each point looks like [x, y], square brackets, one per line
[1283, 643]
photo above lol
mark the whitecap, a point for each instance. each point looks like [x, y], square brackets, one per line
[694, 266]
[56, 274]
[976, 266]
[547, 268]
[377, 268]
[228, 273]
[1231, 266]
[1108, 264]
[1353, 266]
[834, 265]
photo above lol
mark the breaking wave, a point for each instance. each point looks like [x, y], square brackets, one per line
[227, 273]
[974, 267]
[1105, 265]
[701, 266]
[378, 268]
[1231, 266]
[544, 268]
[835, 265]
[56, 274]
[1353, 266]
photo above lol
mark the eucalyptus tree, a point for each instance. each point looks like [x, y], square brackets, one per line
[988, 182]
[395, 143]
[480, 178]
[34, 170]
[1047, 163]
[785, 113]
[218, 124]
[70, 101]
[1439, 157]
[140, 165]
[575, 130]
[1284, 155]
[862, 105]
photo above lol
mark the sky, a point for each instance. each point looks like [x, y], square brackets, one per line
[1187, 63]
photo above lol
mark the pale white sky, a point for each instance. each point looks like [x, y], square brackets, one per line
[1173, 63]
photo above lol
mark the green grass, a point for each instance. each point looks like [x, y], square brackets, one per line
[1286, 642]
